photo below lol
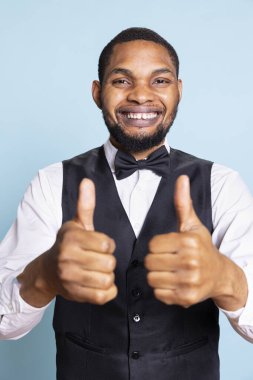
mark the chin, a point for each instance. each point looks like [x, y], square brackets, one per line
[139, 142]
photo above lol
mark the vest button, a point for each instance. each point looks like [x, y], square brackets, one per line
[136, 318]
[135, 355]
[135, 263]
[136, 292]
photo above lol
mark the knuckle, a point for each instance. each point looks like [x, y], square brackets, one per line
[196, 242]
[196, 278]
[148, 261]
[153, 243]
[110, 263]
[194, 263]
[191, 263]
[69, 238]
[191, 240]
[63, 254]
[100, 297]
[107, 281]
[112, 245]
[191, 278]
[114, 292]
[189, 299]
[157, 294]
[151, 278]
[106, 244]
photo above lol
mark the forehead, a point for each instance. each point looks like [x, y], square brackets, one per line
[140, 53]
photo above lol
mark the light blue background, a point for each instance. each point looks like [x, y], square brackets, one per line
[48, 59]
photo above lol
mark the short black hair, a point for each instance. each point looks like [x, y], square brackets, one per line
[133, 34]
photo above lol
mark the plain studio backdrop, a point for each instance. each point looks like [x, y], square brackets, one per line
[48, 58]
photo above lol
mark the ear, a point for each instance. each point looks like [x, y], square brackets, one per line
[96, 93]
[180, 88]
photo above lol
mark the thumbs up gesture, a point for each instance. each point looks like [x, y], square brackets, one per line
[185, 268]
[82, 261]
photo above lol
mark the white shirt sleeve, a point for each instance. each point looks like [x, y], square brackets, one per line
[232, 212]
[39, 218]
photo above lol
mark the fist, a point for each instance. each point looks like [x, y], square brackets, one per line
[184, 267]
[82, 259]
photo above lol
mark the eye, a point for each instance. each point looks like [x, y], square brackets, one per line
[121, 82]
[162, 81]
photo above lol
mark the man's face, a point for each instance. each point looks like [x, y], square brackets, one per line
[139, 95]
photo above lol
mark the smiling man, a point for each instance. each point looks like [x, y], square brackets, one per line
[140, 243]
[139, 102]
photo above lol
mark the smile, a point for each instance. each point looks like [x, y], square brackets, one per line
[144, 116]
[139, 117]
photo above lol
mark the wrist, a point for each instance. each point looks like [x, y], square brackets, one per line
[36, 282]
[231, 289]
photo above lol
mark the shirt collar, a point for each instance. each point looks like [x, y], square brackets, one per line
[110, 153]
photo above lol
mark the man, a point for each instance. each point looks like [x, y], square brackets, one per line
[153, 240]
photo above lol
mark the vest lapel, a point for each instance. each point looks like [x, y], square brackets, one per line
[110, 214]
[160, 218]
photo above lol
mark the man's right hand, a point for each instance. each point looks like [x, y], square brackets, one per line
[80, 265]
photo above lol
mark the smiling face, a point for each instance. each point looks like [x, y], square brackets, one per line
[139, 95]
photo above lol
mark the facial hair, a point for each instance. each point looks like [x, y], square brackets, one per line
[143, 142]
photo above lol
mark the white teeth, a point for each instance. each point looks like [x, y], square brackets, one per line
[144, 116]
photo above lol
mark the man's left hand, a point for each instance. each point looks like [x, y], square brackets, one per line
[185, 268]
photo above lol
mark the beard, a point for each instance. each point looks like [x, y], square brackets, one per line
[141, 142]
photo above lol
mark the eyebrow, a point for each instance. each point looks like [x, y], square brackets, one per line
[120, 70]
[164, 70]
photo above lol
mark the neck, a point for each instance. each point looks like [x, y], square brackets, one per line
[137, 155]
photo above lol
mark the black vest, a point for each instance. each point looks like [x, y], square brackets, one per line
[136, 337]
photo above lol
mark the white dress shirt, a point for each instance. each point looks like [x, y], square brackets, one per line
[39, 218]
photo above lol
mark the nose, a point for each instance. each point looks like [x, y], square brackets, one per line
[140, 94]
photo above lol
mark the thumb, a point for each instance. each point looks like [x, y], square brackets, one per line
[187, 218]
[86, 204]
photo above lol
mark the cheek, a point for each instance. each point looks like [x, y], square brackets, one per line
[110, 103]
[111, 99]
[171, 101]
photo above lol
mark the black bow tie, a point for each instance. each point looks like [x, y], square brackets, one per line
[158, 162]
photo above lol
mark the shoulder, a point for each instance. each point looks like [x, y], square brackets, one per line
[49, 176]
[224, 176]
[45, 187]
[181, 161]
[228, 188]
[186, 156]
[84, 157]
